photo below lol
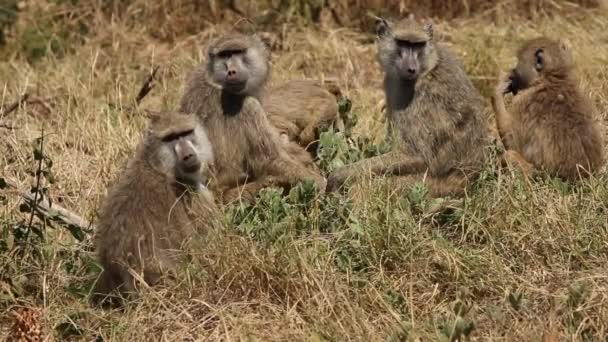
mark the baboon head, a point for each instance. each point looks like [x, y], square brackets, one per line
[177, 146]
[406, 49]
[238, 63]
[538, 58]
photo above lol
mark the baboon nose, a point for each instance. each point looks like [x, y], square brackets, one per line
[231, 74]
[411, 70]
[187, 157]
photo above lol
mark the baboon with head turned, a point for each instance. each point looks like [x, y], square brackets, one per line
[224, 93]
[300, 109]
[435, 114]
[551, 125]
[157, 206]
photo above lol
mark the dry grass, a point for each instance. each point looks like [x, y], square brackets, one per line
[520, 264]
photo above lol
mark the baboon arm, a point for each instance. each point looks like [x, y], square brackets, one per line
[307, 135]
[391, 163]
[274, 160]
[248, 191]
[513, 158]
[504, 120]
[283, 125]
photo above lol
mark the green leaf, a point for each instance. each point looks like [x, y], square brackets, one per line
[344, 105]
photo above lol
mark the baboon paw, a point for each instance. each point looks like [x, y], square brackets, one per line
[334, 182]
[503, 86]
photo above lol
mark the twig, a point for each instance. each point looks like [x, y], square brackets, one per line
[37, 188]
[13, 106]
[147, 86]
[232, 6]
[42, 101]
[8, 125]
[55, 213]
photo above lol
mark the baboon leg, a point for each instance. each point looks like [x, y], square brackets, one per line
[391, 163]
[308, 134]
[504, 119]
[451, 185]
[274, 159]
[248, 191]
[285, 127]
[513, 158]
[301, 155]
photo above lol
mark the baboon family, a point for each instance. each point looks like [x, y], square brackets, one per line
[236, 136]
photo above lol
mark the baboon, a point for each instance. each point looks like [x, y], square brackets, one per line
[435, 114]
[551, 124]
[299, 109]
[159, 203]
[224, 93]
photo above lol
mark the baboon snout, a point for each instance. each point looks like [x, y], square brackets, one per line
[409, 66]
[184, 151]
[231, 74]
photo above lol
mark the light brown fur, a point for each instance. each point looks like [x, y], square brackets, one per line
[551, 124]
[249, 154]
[300, 109]
[149, 215]
[434, 112]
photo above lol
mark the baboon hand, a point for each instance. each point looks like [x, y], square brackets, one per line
[504, 84]
[321, 183]
[336, 179]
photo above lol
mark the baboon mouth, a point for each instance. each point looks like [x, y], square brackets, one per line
[191, 167]
[235, 86]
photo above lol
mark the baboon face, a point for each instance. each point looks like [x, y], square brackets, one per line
[406, 49]
[238, 64]
[537, 58]
[180, 146]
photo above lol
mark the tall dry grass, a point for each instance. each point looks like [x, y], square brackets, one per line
[515, 264]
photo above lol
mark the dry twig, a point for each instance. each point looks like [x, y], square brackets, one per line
[13, 106]
[8, 125]
[54, 213]
[147, 86]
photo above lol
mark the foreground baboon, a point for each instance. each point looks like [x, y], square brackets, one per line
[551, 125]
[224, 93]
[300, 109]
[435, 114]
[157, 206]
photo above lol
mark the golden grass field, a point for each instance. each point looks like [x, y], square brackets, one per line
[517, 263]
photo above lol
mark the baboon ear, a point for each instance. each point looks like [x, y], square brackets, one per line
[428, 28]
[564, 45]
[383, 27]
[152, 115]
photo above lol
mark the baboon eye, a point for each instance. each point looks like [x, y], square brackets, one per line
[539, 60]
[177, 135]
[230, 53]
[406, 44]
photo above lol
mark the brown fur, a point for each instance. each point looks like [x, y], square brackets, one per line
[300, 109]
[249, 154]
[551, 124]
[148, 215]
[437, 118]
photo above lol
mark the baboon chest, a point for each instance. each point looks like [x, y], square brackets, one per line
[231, 135]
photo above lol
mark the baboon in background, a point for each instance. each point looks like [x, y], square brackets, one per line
[300, 109]
[224, 93]
[551, 124]
[158, 205]
[434, 112]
